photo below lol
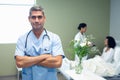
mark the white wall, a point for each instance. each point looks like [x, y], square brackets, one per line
[115, 19]
[14, 19]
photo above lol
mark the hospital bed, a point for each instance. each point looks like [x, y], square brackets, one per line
[66, 66]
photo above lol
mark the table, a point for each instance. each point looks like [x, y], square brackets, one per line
[85, 75]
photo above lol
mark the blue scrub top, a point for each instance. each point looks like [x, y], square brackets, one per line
[37, 47]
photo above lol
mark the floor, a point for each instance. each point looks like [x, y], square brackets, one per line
[60, 77]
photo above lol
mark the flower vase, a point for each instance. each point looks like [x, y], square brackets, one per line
[77, 59]
[78, 68]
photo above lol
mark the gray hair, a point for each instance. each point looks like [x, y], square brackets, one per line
[36, 8]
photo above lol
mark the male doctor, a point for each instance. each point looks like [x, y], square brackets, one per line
[38, 52]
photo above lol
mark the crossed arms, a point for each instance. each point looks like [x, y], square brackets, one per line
[46, 60]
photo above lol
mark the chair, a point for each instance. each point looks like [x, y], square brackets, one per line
[19, 73]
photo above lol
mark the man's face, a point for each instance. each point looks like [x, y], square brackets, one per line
[37, 20]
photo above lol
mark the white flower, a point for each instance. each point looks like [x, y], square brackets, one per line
[85, 48]
[83, 44]
[89, 43]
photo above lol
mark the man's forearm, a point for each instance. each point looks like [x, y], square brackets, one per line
[26, 61]
[52, 62]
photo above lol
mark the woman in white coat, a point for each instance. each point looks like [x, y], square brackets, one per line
[81, 34]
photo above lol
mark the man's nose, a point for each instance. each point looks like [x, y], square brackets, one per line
[36, 19]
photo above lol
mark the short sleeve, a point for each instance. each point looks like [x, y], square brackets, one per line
[20, 47]
[57, 46]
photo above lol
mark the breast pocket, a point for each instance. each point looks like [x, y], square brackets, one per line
[29, 51]
[47, 47]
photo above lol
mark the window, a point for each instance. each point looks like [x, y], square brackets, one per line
[14, 19]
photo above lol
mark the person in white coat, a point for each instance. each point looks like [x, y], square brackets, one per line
[81, 34]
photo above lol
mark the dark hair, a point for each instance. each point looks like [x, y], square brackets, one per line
[82, 25]
[36, 8]
[111, 42]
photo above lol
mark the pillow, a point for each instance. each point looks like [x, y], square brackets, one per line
[117, 54]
